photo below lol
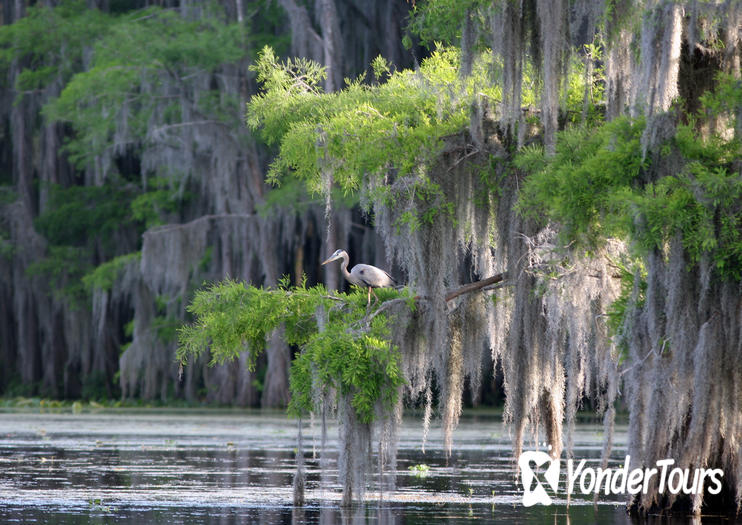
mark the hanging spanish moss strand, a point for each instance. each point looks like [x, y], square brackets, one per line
[551, 14]
[507, 33]
[468, 43]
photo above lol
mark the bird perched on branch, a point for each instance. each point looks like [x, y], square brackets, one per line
[363, 275]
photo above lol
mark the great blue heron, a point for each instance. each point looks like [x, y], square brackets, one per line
[363, 275]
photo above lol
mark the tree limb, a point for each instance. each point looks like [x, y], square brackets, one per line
[473, 287]
[467, 288]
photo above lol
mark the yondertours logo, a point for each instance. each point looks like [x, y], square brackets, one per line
[533, 491]
[589, 480]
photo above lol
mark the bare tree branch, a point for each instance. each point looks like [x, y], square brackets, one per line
[477, 285]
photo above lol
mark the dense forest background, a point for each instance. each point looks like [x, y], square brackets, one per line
[129, 179]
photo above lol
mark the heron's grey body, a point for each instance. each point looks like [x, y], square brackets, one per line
[363, 275]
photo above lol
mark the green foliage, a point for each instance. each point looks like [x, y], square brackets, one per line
[123, 84]
[77, 214]
[7, 195]
[364, 132]
[582, 186]
[122, 80]
[381, 68]
[129, 329]
[95, 385]
[50, 42]
[599, 184]
[7, 249]
[77, 222]
[153, 207]
[419, 471]
[357, 131]
[726, 97]
[577, 84]
[369, 135]
[63, 268]
[702, 203]
[292, 195]
[106, 274]
[633, 274]
[166, 328]
[343, 347]
[205, 261]
[164, 324]
[441, 20]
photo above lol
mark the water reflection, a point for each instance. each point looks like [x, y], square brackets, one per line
[237, 467]
[362, 514]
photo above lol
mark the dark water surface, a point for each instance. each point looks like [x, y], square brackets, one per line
[178, 466]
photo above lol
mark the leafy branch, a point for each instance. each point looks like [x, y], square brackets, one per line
[343, 348]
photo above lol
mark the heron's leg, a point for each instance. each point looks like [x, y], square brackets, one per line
[376, 297]
[368, 303]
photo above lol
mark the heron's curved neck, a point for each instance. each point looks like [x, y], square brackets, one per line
[344, 265]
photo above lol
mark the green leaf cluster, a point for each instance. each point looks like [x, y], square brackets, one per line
[727, 97]
[63, 268]
[343, 347]
[77, 222]
[441, 20]
[49, 42]
[152, 207]
[584, 184]
[77, 214]
[600, 184]
[143, 58]
[133, 74]
[632, 297]
[363, 130]
[105, 275]
[702, 203]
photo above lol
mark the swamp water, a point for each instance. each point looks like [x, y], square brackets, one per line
[217, 466]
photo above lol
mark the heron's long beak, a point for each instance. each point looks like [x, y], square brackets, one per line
[327, 261]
